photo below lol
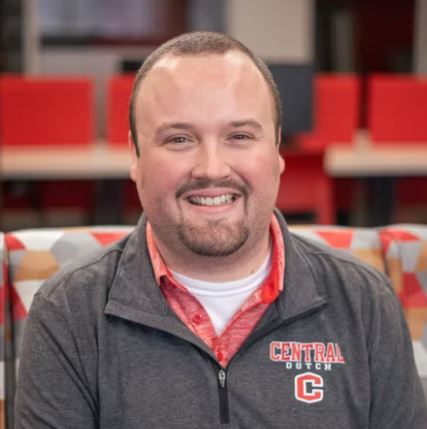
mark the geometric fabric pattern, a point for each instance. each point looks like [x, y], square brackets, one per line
[363, 243]
[34, 255]
[405, 256]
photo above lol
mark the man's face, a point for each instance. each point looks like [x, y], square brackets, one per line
[208, 171]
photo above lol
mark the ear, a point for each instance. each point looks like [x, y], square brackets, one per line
[134, 158]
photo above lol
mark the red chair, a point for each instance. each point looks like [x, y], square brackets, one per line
[47, 111]
[305, 188]
[397, 113]
[118, 99]
[336, 114]
[397, 109]
[119, 91]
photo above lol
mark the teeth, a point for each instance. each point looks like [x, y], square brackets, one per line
[215, 201]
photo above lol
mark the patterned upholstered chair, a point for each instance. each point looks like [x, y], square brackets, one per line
[399, 251]
[405, 252]
[33, 256]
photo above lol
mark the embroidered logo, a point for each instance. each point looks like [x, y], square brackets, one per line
[318, 356]
[309, 387]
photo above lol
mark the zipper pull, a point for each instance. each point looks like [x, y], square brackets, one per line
[221, 378]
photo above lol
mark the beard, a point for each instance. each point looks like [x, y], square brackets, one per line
[215, 238]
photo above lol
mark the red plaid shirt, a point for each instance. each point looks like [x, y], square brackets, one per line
[194, 315]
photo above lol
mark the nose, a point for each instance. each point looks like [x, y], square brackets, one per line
[211, 163]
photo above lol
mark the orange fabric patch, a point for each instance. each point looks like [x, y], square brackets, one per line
[417, 321]
[394, 267]
[373, 257]
[422, 259]
[36, 265]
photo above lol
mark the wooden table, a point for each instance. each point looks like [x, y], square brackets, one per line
[379, 166]
[108, 166]
[364, 159]
[97, 161]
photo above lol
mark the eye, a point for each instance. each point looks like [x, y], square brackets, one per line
[178, 139]
[240, 139]
[179, 142]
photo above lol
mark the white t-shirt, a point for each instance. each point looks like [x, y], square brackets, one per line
[222, 300]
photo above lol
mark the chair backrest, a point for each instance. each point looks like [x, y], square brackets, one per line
[363, 243]
[337, 106]
[405, 250]
[119, 91]
[336, 111]
[46, 111]
[306, 188]
[397, 108]
[34, 255]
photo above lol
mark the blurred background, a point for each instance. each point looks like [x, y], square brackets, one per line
[352, 76]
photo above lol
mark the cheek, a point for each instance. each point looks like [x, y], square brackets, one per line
[159, 179]
[263, 171]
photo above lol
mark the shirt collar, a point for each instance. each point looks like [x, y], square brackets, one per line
[272, 286]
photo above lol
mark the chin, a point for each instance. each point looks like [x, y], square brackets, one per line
[216, 240]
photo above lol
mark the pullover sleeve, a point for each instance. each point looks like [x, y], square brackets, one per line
[52, 390]
[397, 397]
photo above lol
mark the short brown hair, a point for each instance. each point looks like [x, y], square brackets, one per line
[196, 43]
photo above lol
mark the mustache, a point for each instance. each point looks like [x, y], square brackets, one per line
[203, 183]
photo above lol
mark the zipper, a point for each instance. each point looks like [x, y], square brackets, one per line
[224, 412]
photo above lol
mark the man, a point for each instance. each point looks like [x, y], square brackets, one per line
[211, 314]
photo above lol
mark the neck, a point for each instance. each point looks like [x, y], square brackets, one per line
[238, 265]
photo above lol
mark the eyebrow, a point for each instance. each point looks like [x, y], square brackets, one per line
[173, 125]
[188, 127]
[247, 122]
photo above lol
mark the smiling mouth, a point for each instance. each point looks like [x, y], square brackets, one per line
[220, 200]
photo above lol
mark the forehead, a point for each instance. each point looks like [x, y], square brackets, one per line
[229, 65]
[231, 73]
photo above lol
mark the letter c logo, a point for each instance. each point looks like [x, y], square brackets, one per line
[309, 387]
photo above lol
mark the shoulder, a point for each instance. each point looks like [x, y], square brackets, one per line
[85, 281]
[341, 258]
[337, 270]
[357, 294]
